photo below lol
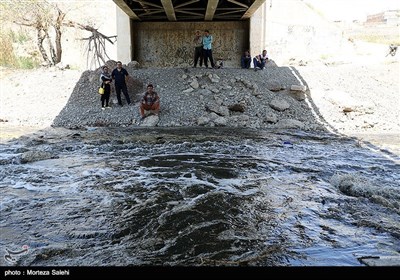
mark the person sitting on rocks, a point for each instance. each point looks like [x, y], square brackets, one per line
[106, 79]
[260, 60]
[246, 60]
[150, 101]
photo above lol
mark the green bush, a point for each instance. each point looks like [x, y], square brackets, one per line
[24, 62]
[7, 55]
[20, 37]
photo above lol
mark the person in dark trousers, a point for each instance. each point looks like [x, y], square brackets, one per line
[246, 60]
[198, 48]
[260, 60]
[207, 48]
[106, 80]
[150, 101]
[119, 75]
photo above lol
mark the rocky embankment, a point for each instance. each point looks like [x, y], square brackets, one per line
[196, 97]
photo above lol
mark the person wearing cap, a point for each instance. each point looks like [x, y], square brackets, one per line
[150, 101]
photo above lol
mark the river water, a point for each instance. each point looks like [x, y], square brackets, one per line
[208, 197]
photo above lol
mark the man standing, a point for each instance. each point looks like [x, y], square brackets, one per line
[119, 75]
[106, 80]
[150, 101]
[207, 49]
[198, 48]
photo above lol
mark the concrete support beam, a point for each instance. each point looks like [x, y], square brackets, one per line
[189, 13]
[253, 8]
[257, 31]
[124, 42]
[123, 6]
[186, 3]
[211, 7]
[141, 2]
[169, 9]
[238, 3]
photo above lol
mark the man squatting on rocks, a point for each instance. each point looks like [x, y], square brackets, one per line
[198, 48]
[106, 80]
[150, 101]
[260, 60]
[119, 75]
[245, 60]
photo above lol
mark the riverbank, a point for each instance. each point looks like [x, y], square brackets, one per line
[354, 99]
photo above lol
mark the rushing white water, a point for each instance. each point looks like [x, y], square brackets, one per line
[197, 197]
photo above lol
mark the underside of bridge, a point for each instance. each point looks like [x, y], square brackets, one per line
[159, 33]
[189, 10]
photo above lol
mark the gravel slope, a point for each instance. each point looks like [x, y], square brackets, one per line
[190, 97]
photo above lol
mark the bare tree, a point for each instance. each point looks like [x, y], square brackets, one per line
[35, 14]
[46, 17]
[96, 43]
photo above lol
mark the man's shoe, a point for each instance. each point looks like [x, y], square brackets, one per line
[103, 108]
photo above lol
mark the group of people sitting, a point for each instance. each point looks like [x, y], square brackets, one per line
[259, 61]
[150, 100]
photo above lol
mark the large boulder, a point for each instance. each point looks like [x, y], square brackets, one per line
[220, 121]
[135, 88]
[238, 107]
[194, 84]
[219, 110]
[274, 85]
[111, 64]
[289, 123]
[134, 64]
[203, 121]
[150, 121]
[271, 118]
[298, 95]
[279, 104]
[32, 156]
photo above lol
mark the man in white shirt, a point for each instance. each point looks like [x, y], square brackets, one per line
[260, 60]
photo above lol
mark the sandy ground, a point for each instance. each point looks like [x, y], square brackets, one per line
[368, 88]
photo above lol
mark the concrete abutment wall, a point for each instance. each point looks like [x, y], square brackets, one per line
[170, 44]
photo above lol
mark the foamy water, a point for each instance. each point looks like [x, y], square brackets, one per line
[198, 197]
